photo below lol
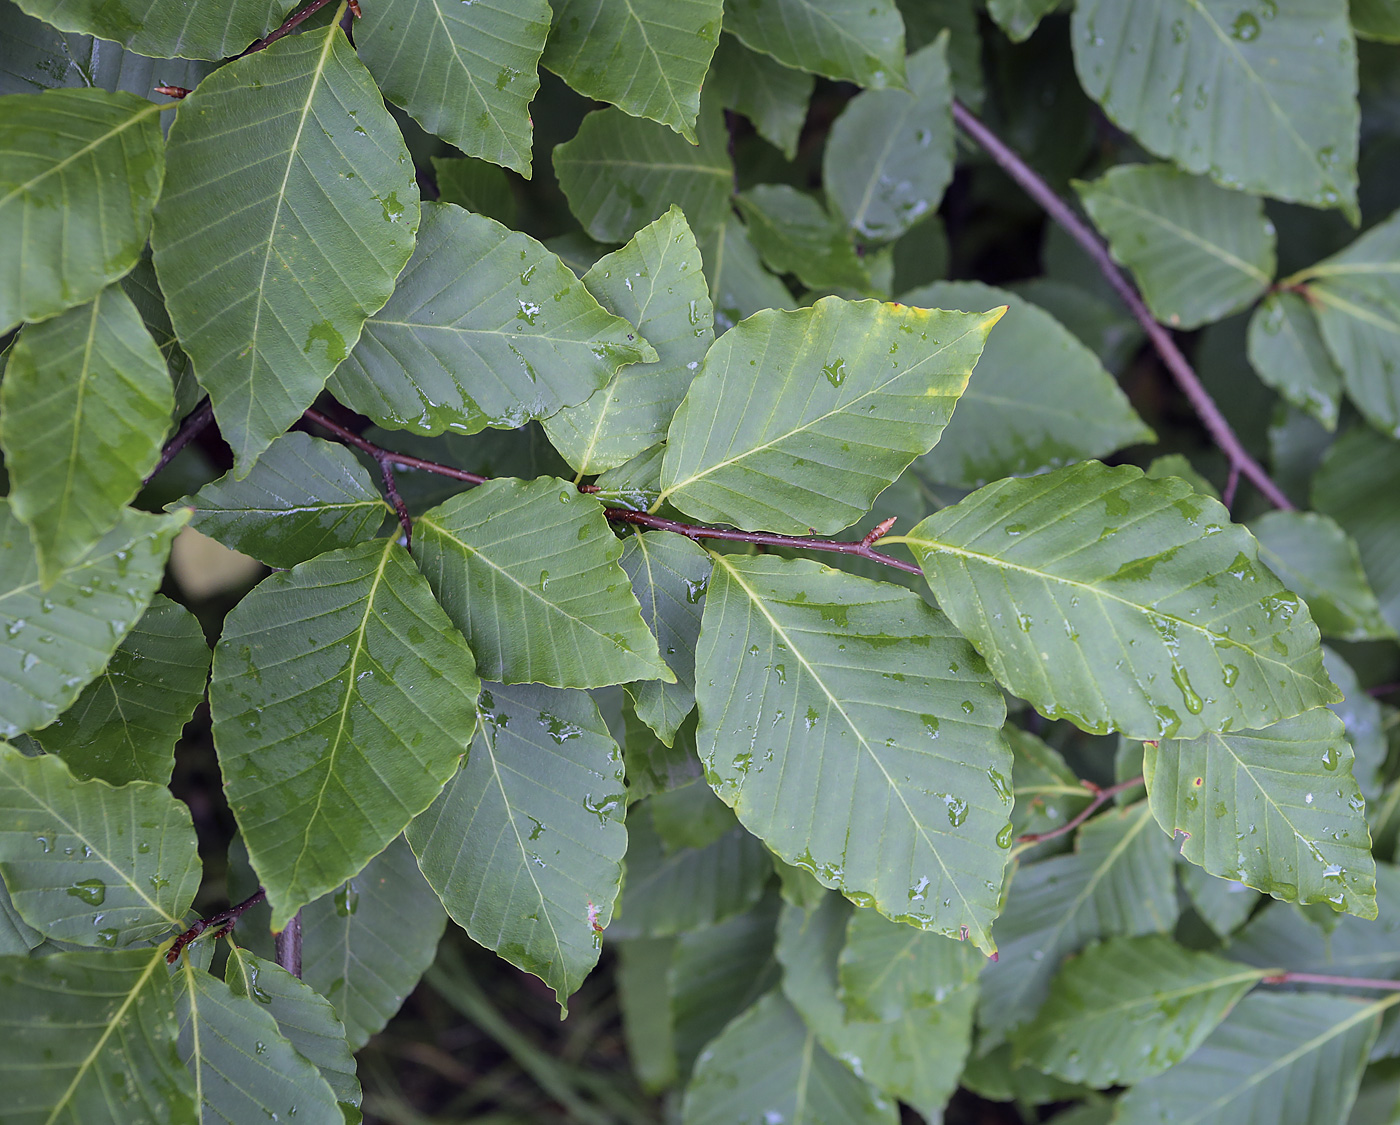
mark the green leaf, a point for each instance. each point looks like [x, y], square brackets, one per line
[620, 173]
[863, 44]
[1356, 297]
[1121, 603]
[1130, 1008]
[528, 570]
[1355, 485]
[655, 282]
[915, 1055]
[365, 945]
[91, 864]
[476, 186]
[16, 935]
[669, 574]
[244, 1068]
[647, 1025]
[925, 20]
[304, 1018]
[86, 402]
[890, 154]
[647, 57]
[269, 269]
[1261, 101]
[1117, 881]
[525, 845]
[486, 328]
[1318, 560]
[1020, 18]
[772, 96]
[302, 498]
[688, 889]
[1365, 725]
[90, 1040]
[739, 285]
[652, 766]
[1223, 904]
[1197, 251]
[797, 421]
[1287, 352]
[887, 969]
[821, 752]
[769, 1058]
[1276, 809]
[56, 640]
[193, 29]
[79, 173]
[1281, 1058]
[466, 72]
[1047, 793]
[1007, 424]
[125, 724]
[795, 234]
[689, 816]
[1376, 19]
[143, 288]
[321, 779]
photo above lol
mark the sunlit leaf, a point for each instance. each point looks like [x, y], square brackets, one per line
[320, 780]
[863, 44]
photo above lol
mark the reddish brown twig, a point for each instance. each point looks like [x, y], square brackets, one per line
[176, 92]
[288, 25]
[1101, 798]
[223, 922]
[1340, 982]
[190, 428]
[287, 946]
[400, 460]
[1034, 186]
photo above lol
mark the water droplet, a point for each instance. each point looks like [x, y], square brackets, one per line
[347, 900]
[91, 891]
[835, 371]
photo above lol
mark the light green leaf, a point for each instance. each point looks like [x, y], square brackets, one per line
[655, 282]
[79, 173]
[795, 234]
[54, 641]
[1355, 485]
[91, 864]
[1122, 603]
[821, 752]
[525, 845]
[1279, 1059]
[890, 154]
[620, 173]
[125, 724]
[528, 570]
[193, 29]
[863, 44]
[689, 889]
[1117, 881]
[304, 1018]
[1276, 809]
[797, 421]
[322, 778]
[1197, 251]
[86, 402]
[90, 1040]
[476, 186]
[1356, 297]
[1046, 791]
[768, 1060]
[486, 328]
[739, 285]
[772, 96]
[1130, 1008]
[466, 72]
[669, 574]
[269, 269]
[887, 969]
[1038, 399]
[648, 57]
[916, 1055]
[302, 498]
[1020, 18]
[244, 1068]
[1260, 99]
[365, 945]
[1317, 560]
[1287, 352]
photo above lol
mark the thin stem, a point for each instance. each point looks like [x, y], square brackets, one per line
[1340, 982]
[1161, 339]
[224, 921]
[199, 418]
[391, 489]
[1231, 483]
[287, 946]
[1383, 689]
[1101, 798]
[290, 24]
[402, 460]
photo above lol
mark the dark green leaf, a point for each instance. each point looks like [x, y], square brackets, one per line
[641, 978]
[1376, 19]
[1223, 904]
[796, 235]
[270, 268]
[863, 44]
[16, 935]
[1047, 792]
[524, 847]
[476, 186]
[1365, 725]
[321, 779]
[193, 29]
[772, 96]
[143, 288]
[739, 285]
[528, 570]
[1020, 18]
[1287, 352]
[689, 816]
